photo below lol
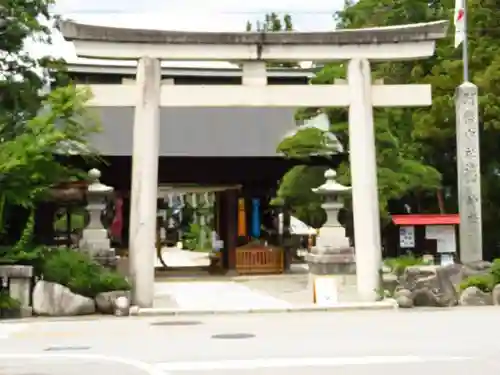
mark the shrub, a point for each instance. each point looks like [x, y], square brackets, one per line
[7, 302]
[191, 238]
[398, 265]
[28, 256]
[495, 271]
[484, 283]
[80, 273]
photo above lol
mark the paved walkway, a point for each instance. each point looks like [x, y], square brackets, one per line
[206, 295]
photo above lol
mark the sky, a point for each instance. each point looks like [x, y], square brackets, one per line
[195, 15]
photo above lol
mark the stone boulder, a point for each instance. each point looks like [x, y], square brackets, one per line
[390, 282]
[106, 302]
[479, 267]
[495, 295]
[430, 285]
[122, 306]
[459, 272]
[404, 298]
[473, 296]
[433, 285]
[54, 299]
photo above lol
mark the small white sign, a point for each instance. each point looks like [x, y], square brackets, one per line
[407, 236]
[325, 291]
[444, 236]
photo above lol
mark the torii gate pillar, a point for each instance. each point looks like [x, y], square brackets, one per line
[362, 157]
[358, 47]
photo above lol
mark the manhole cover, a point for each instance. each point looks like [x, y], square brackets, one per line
[233, 336]
[66, 348]
[177, 323]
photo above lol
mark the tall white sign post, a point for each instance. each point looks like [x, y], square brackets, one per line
[254, 50]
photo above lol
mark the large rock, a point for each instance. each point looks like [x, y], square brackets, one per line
[459, 272]
[106, 302]
[430, 285]
[404, 298]
[122, 306]
[54, 299]
[390, 282]
[473, 296]
[495, 295]
[479, 267]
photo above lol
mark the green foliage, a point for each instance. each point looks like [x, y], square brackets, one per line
[495, 271]
[27, 256]
[7, 302]
[431, 131]
[191, 238]
[484, 283]
[296, 188]
[77, 220]
[35, 123]
[273, 22]
[307, 142]
[80, 273]
[28, 232]
[416, 148]
[398, 265]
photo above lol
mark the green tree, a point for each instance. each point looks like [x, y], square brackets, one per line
[274, 23]
[35, 123]
[402, 171]
[416, 148]
[431, 131]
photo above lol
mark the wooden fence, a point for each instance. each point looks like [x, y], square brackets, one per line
[259, 260]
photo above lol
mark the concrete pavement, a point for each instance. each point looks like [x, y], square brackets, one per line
[285, 292]
[458, 341]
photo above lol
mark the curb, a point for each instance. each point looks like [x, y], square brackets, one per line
[342, 307]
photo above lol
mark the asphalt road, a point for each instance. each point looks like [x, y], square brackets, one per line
[457, 341]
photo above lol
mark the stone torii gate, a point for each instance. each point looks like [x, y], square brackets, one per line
[252, 50]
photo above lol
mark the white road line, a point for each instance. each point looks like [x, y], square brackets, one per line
[142, 366]
[250, 364]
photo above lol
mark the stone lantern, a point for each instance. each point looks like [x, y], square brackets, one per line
[95, 239]
[333, 254]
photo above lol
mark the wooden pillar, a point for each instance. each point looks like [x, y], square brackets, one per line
[221, 225]
[126, 221]
[228, 226]
[44, 232]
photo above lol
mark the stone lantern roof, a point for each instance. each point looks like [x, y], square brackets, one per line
[331, 186]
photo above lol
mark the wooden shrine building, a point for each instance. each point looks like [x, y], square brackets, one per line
[231, 150]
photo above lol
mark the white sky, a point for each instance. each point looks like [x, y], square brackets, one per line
[195, 15]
